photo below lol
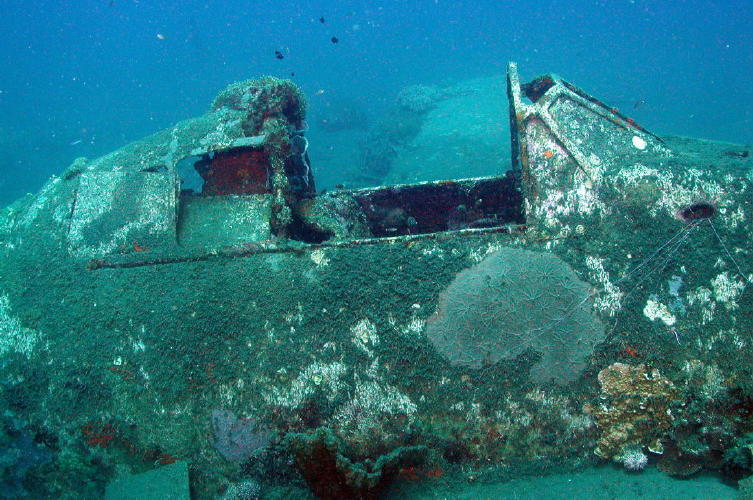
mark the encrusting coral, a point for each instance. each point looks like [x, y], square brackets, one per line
[635, 409]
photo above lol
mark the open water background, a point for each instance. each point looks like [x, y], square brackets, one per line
[83, 77]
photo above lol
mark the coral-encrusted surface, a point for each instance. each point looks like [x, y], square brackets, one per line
[115, 356]
[634, 411]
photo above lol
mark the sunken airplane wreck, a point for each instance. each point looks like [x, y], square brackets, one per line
[590, 304]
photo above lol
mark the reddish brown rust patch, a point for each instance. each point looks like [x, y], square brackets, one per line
[629, 350]
[697, 211]
[166, 459]
[237, 171]
[124, 374]
[536, 89]
[98, 435]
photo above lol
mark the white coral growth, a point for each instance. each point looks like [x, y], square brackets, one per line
[634, 459]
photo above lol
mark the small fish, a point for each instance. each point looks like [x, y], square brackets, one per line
[292, 74]
[321, 20]
[639, 103]
[77, 141]
[320, 92]
[279, 55]
[161, 36]
[334, 39]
